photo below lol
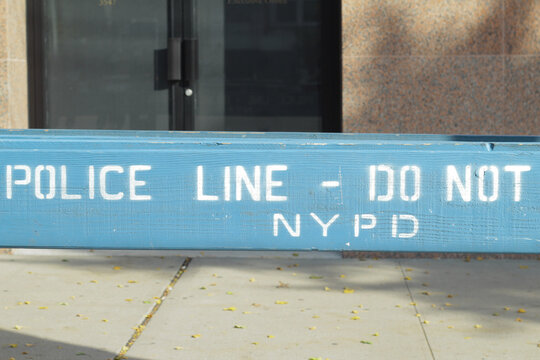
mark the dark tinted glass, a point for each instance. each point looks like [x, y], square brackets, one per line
[260, 65]
[99, 59]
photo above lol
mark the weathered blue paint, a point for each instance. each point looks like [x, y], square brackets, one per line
[327, 175]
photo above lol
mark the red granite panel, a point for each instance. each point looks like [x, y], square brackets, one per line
[446, 95]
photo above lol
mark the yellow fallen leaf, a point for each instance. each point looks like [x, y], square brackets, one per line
[252, 280]
[519, 319]
[354, 311]
[196, 336]
[523, 267]
[312, 328]
[93, 281]
[426, 322]
[17, 327]
[13, 346]
[467, 338]
[506, 308]
[376, 334]
[477, 326]
[229, 293]
[270, 336]
[407, 278]
[398, 306]
[255, 343]
[418, 315]
[409, 269]
[450, 326]
[129, 300]
[239, 327]
[178, 348]
[355, 318]
[412, 303]
[43, 308]
[232, 308]
[342, 276]
[447, 304]
[117, 268]
[132, 281]
[120, 286]
[280, 302]
[315, 316]
[27, 303]
[326, 288]
[347, 290]
[522, 311]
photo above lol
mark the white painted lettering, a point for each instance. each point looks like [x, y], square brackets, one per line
[371, 225]
[227, 183]
[103, 182]
[134, 183]
[323, 225]
[270, 184]
[395, 226]
[253, 189]
[517, 170]
[403, 176]
[52, 181]
[9, 178]
[63, 186]
[280, 217]
[373, 183]
[481, 182]
[91, 182]
[452, 178]
[200, 187]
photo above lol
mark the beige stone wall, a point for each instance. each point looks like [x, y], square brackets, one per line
[432, 66]
[13, 66]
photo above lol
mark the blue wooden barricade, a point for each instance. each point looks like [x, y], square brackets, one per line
[285, 191]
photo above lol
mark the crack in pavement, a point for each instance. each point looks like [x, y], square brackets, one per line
[140, 328]
[416, 310]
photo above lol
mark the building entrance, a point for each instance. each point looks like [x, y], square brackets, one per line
[257, 65]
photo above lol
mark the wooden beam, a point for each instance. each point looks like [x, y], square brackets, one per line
[172, 190]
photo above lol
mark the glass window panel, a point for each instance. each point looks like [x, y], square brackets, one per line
[260, 65]
[99, 64]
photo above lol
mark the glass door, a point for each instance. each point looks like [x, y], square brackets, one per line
[101, 62]
[261, 65]
[257, 65]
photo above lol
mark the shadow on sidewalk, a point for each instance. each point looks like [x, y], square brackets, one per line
[19, 346]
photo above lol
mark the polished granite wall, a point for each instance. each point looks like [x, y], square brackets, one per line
[13, 66]
[441, 66]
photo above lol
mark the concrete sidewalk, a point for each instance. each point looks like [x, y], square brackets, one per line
[81, 305]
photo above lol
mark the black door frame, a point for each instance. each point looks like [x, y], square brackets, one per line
[181, 107]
